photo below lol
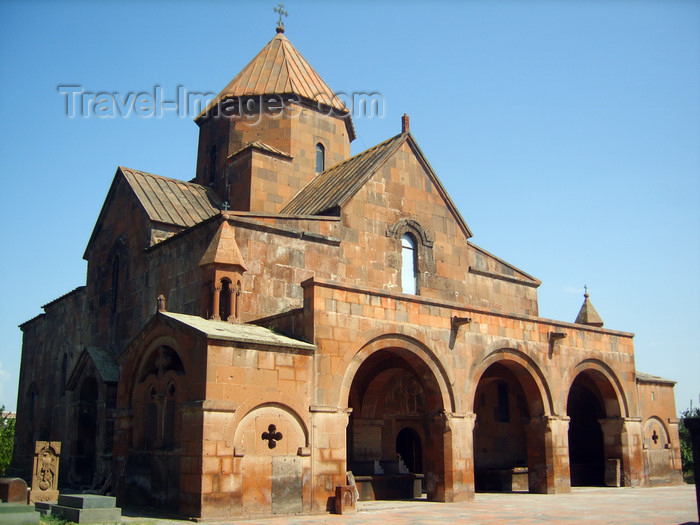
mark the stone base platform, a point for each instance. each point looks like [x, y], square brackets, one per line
[18, 514]
[87, 508]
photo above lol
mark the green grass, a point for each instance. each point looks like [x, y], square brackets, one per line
[53, 520]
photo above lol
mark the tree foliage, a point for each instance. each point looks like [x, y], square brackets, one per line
[7, 440]
[686, 445]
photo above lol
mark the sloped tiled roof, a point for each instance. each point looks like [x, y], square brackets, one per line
[279, 69]
[171, 201]
[337, 184]
[104, 362]
[241, 333]
[648, 378]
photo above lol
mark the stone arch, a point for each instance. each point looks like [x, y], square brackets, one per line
[144, 359]
[524, 366]
[392, 383]
[606, 379]
[282, 402]
[248, 436]
[596, 407]
[657, 452]
[424, 258]
[157, 391]
[511, 399]
[651, 425]
[403, 226]
[409, 344]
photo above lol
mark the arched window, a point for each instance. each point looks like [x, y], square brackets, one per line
[64, 374]
[33, 394]
[225, 300]
[408, 264]
[320, 158]
[212, 165]
[115, 283]
[169, 417]
[151, 420]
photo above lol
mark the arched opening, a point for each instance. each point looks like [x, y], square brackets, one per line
[594, 431]
[86, 445]
[320, 158]
[408, 264]
[509, 448]
[64, 374]
[395, 441]
[115, 284]
[225, 300]
[409, 451]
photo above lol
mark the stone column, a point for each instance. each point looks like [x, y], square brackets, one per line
[328, 444]
[462, 445]
[231, 303]
[216, 290]
[631, 441]
[548, 455]
[439, 473]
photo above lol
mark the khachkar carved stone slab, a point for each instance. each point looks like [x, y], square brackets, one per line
[45, 473]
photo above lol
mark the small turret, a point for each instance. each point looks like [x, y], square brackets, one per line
[588, 315]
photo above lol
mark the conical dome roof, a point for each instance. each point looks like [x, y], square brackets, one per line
[223, 249]
[279, 69]
[588, 315]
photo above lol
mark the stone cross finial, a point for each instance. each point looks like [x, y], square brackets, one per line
[225, 205]
[280, 24]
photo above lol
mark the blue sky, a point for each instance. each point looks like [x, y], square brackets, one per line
[568, 134]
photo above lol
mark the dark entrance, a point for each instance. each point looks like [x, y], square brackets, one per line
[586, 450]
[86, 444]
[409, 449]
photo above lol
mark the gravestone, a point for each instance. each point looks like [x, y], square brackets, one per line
[45, 471]
[13, 490]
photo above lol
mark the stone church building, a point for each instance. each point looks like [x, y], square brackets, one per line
[292, 313]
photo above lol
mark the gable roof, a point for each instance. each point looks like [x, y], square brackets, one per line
[164, 200]
[338, 184]
[104, 362]
[279, 69]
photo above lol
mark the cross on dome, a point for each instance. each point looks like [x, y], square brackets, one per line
[280, 24]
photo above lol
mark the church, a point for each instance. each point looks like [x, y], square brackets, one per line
[296, 319]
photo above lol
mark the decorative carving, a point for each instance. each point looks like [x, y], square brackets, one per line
[406, 397]
[404, 225]
[45, 472]
[272, 436]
